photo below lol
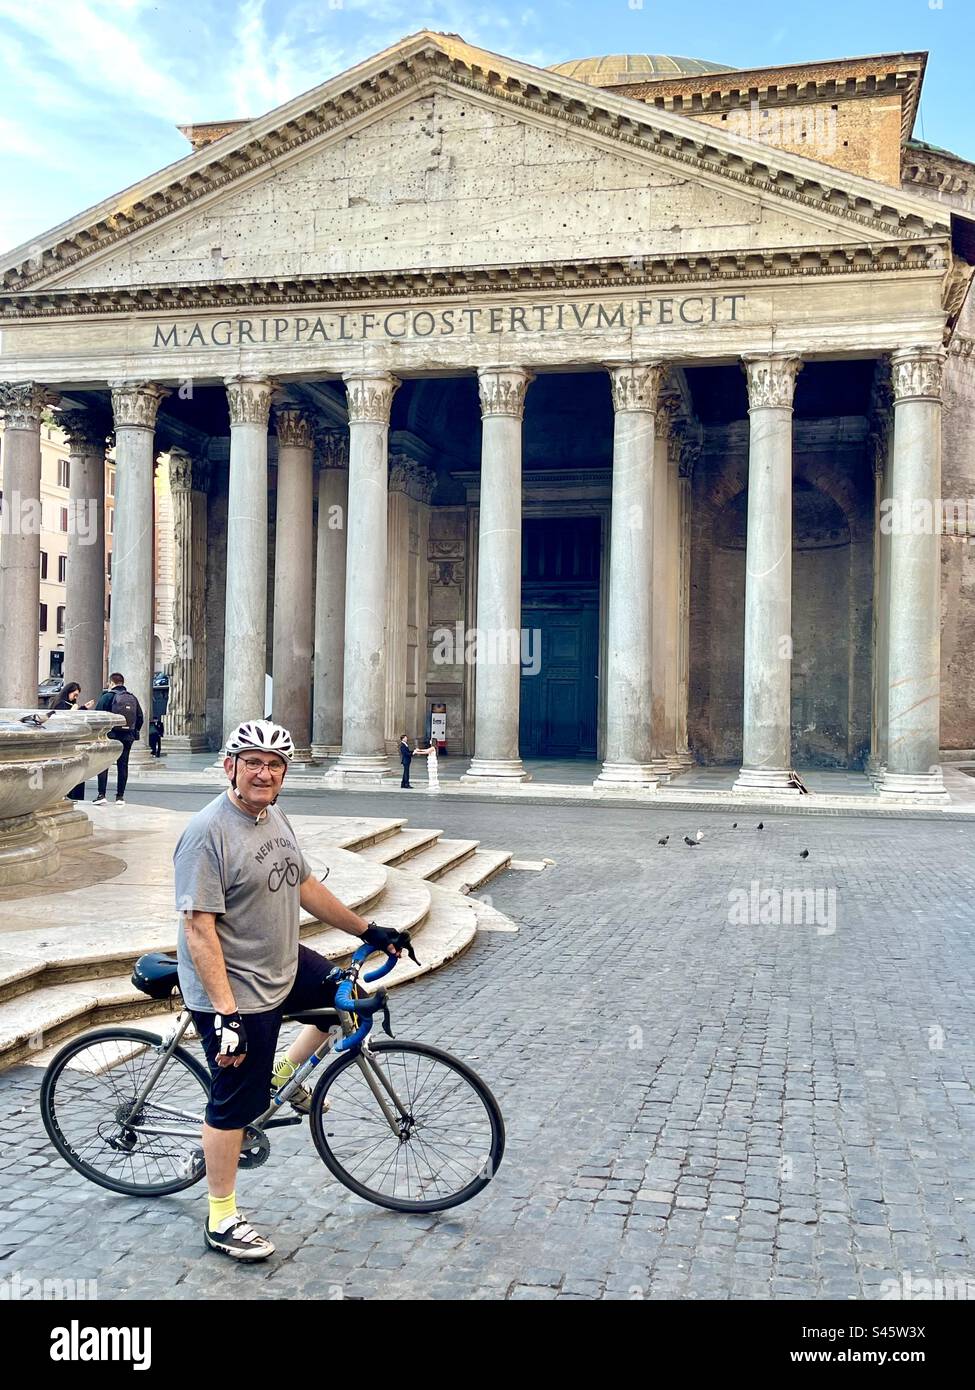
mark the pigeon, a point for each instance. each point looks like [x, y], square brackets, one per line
[664, 840]
[761, 825]
[804, 854]
[734, 825]
[691, 843]
[699, 836]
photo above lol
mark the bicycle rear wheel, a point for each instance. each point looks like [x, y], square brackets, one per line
[450, 1134]
[86, 1099]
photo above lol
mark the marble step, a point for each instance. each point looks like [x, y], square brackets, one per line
[46, 955]
[398, 848]
[434, 862]
[33, 1026]
[489, 918]
[474, 872]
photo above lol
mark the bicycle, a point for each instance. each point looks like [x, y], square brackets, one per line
[124, 1107]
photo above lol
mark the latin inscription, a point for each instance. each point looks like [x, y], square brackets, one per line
[691, 311]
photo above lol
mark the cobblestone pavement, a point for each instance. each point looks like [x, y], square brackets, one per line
[696, 1106]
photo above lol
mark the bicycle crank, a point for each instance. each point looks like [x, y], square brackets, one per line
[255, 1150]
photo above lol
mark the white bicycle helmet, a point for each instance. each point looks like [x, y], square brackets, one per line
[262, 735]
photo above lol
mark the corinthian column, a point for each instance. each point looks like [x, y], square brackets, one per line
[293, 573]
[333, 507]
[186, 713]
[363, 758]
[689, 454]
[498, 652]
[134, 408]
[84, 618]
[397, 594]
[629, 665]
[914, 620]
[245, 641]
[20, 553]
[767, 735]
[664, 621]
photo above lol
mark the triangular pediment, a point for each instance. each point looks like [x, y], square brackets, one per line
[435, 154]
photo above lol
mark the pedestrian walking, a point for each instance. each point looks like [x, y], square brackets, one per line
[117, 700]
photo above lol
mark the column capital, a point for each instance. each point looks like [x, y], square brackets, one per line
[689, 451]
[668, 410]
[23, 404]
[331, 447]
[249, 399]
[180, 471]
[916, 373]
[771, 380]
[369, 396]
[502, 390]
[294, 427]
[87, 431]
[415, 479]
[635, 385]
[136, 403]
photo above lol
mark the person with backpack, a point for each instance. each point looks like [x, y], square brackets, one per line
[117, 700]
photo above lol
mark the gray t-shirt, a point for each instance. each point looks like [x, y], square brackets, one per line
[247, 872]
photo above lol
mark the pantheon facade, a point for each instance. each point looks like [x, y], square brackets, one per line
[619, 411]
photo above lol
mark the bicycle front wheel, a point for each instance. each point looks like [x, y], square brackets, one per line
[449, 1134]
[87, 1099]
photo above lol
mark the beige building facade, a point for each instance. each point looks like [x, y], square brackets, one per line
[603, 412]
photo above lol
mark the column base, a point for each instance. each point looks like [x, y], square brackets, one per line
[27, 851]
[324, 752]
[926, 787]
[359, 770]
[185, 743]
[501, 771]
[765, 780]
[661, 769]
[140, 758]
[65, 820]
[635, 776]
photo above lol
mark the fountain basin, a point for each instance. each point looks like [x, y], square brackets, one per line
[37, 766]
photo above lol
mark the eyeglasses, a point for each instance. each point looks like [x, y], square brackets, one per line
[256, 765]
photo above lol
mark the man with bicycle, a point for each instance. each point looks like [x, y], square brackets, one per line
[241, 881]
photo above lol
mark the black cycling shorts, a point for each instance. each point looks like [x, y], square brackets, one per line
[239, 1094]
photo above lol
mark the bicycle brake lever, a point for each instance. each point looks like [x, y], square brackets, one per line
[387, 1029]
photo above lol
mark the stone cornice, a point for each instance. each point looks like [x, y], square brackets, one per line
[713, 267]
[793, 84]
[431, 61]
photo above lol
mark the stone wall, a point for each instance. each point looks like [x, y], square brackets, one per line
[447, 590]
[831, 588]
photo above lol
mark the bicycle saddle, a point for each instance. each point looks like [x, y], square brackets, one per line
[155, 974]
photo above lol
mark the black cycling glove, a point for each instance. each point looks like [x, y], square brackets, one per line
[231, 1035]
[383, 937]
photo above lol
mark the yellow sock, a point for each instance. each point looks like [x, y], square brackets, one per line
[284, 1070]
[220, 1209]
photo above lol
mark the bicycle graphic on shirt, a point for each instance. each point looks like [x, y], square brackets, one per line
[290, 875]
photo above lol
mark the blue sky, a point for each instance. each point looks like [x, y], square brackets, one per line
[91, 90]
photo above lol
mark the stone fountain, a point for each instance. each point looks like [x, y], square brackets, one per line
[39, 762]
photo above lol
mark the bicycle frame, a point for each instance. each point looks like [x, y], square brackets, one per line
[271, 1117]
